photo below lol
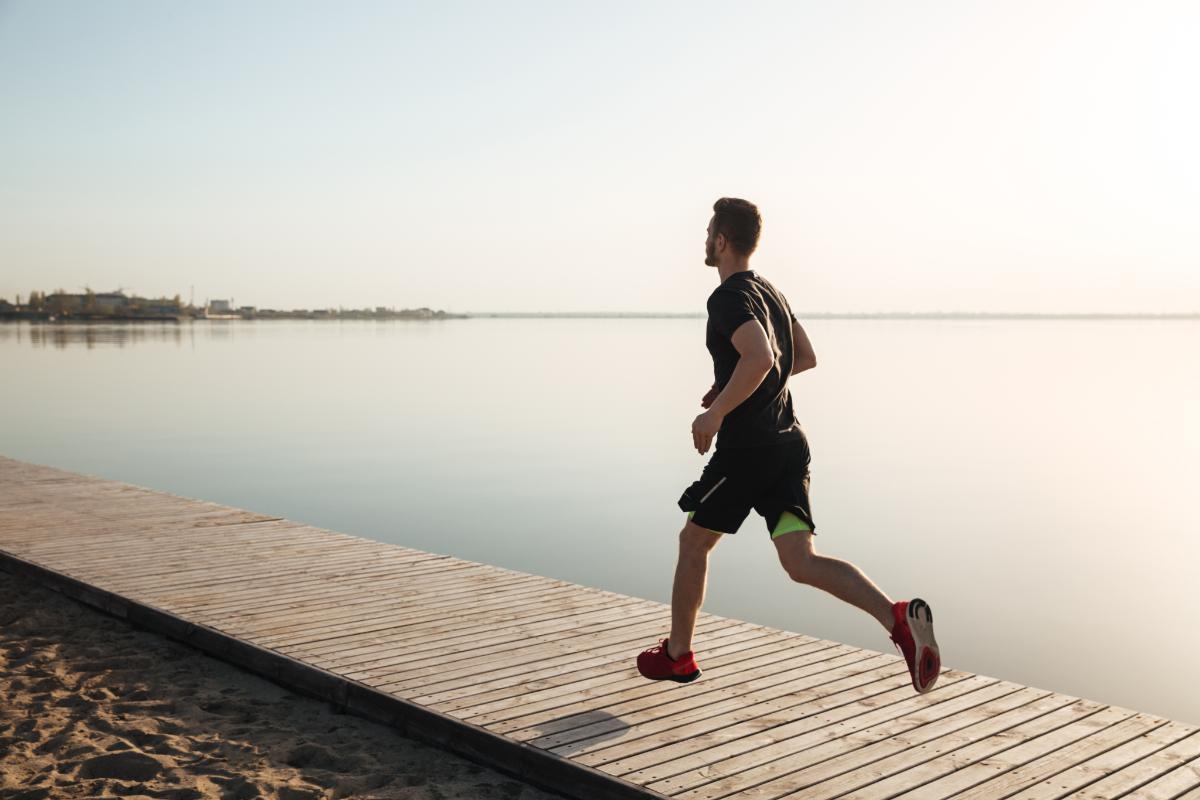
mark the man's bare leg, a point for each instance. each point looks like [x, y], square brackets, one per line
[840, 578]
[687, 594]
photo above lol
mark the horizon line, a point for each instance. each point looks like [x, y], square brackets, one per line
[863, 314]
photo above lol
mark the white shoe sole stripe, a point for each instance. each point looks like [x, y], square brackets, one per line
[920, 624]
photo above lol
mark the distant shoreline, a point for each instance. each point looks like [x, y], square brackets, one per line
[894, 315]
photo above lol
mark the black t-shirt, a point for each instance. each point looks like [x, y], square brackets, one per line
[766, 416]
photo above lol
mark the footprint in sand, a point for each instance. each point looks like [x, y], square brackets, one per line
[126, 765]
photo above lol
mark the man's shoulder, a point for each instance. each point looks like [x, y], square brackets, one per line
[719, 293]
[769, 290]
[726, 300]
[731, 289]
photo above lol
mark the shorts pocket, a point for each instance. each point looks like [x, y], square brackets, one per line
[700, 491]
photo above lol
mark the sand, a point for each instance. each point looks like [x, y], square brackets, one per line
[92, 707]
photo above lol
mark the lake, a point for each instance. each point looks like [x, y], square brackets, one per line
[1034, 480]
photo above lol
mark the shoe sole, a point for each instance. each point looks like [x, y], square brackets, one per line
[928, 657]
[677, 678]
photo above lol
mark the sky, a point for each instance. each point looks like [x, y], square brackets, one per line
[549, 156]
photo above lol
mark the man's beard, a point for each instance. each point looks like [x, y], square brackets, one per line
[710, 256]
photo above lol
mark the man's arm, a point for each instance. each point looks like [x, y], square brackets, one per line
[754, 362]
[803, 356]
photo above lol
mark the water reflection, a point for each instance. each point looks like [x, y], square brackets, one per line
[1000, 469]
[92, 335]
[61, 335]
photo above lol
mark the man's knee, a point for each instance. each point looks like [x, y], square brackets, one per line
[697, 541]
[796, 555]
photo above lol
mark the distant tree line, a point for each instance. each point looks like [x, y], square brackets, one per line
[117, 305]
[92, 304]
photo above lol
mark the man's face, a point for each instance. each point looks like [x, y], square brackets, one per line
[710, 246]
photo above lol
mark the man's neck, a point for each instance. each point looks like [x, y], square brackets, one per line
[725, 270]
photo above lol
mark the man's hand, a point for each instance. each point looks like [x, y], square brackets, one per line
[704, 428]
[708, 398]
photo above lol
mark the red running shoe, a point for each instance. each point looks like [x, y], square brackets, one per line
[657, 665]
[912, 632]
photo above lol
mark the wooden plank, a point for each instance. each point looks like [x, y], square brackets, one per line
[121, 546]
[1088, 772]
[1033, 761]
[1176, 784]
[412, 648]
[228, 577]
[686, 772]
[971, 747]
[606, 652]
[228, 543]
[158, 576]
[742, 714]
[405, 670]
[686, 726]
[378, 614]
[503, 664]
[609, 650]
[305, 581]
[540, 708]
[1019, 757]
[252, 620]
[463, 634]
[789, 771]
[1130, 778]
[810, 682]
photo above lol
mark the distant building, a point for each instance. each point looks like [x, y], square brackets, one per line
[108, 302]
[160, 306]
[60, 302]
[219, 306]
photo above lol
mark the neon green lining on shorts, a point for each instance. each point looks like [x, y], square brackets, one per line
[788, 522]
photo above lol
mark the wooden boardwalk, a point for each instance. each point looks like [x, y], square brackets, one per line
[536, 676]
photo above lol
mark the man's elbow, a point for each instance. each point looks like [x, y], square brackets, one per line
[762, 363]
[802, 363]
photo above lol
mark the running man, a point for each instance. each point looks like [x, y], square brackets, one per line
[761, 460]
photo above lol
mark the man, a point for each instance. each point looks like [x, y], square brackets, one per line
[761, 460]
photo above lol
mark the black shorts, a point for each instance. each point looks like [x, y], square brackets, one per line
[770, 479]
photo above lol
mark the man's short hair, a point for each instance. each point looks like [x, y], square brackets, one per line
[739, 220]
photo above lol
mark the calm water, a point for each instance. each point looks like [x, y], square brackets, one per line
[1036, 481]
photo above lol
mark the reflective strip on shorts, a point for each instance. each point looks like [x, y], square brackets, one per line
[713, 489]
